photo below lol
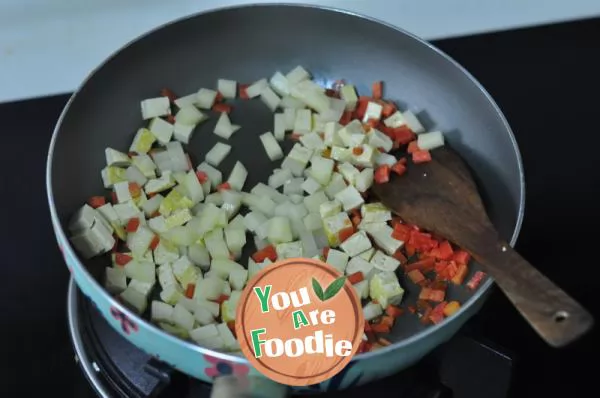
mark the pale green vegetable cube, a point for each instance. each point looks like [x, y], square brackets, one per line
[385, 288]
[134, 300]
[115, 280]
[185, 271]
[161, 312]
[171, 294]
[182, 317]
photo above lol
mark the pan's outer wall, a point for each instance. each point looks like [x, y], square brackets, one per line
[249, 43]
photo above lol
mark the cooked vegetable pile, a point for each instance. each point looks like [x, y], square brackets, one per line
[176, 232]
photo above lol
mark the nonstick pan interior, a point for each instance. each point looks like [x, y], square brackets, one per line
[249, 43]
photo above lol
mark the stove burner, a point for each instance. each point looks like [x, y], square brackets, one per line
[465, 367]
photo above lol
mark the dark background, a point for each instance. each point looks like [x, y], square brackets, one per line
[546, 81]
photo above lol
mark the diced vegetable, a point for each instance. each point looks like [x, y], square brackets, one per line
[271, 146]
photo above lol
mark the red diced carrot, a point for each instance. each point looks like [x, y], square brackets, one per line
[224, 187]
[132, 224]
[221, 299]
[399, 168]
[243, 91]
[449, 271]
[134, 189]
[361, 108]
[165, 92]
[222, 107]
[295, 136]
[475, 280]
[219, 97]
[266, 252]
[412, 147]
[231, 326]
[440, 266]
[394, 311]
[122, 259]
[421, 157]
[445, 251]
[345, 233]
[346, 118]
[388, 109]
[422, 241]
[400, 257]
[402, 161]
[380, 328]
[424, 265]
[113, 196]
[430, 294]
[372, 123]
[378, 90]
[437, 314]
[189, 290]
[401, 232]
[410, 249]
[97, 201]
[387, 320]
[357, 150]
[325, 252]
[155, 242]
[202, 177]
[116, 245]
[367, 327]
[416, 276]
[171, 119]
[356, 277]
[460, 275]
[382, 174]
[461, 257]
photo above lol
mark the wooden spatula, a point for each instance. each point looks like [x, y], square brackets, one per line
[442, 197]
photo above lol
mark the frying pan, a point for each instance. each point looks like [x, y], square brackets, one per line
[246, 44]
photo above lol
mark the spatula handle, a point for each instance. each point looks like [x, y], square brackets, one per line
[553, 314]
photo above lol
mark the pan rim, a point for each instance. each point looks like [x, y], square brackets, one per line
[433, 329]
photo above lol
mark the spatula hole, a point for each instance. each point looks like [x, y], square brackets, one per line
[560, 316]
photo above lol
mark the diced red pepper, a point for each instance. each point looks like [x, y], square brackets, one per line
[382, 174]
[243, 91]
[357, 150]
[325, 252]
[134, 189]
[222, 107]
[165, 92]
[424, 265]
[224, 187]
[445, 251]
[122, 259]
[380, 328]
[132, 225]
[155, 242]
[461, 257]
[401, 232]
[421, 157]
[422, 241]
[412, 147]
[399, 168]
[410, 249]
[378, 90]
[356, 277]
[266, 252]
[393, 311]
[346, 118]
[219, 97]
[400, 257]
[416, 276]
[460, 275]
[345, 233]
[440, 266]
[361, 108]
[449, 272]
[437, 314]
[355, 217]
[202, 176]
[476, 280]
[430, 294]
[388, 109]
[222, 298]
[97, 201]
[171, 119]
[189, 290]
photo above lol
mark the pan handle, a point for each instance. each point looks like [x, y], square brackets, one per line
[248, 387]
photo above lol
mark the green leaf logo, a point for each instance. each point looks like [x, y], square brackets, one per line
[318, 289]
[331, 290]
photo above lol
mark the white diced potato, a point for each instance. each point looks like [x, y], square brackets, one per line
[209, 288]
[227, 88]
[383, 238]
[303, 122]
[279, 126]
[372, 311]
[126, 211]
[186, 100]
[224, 128]
[218, 152]
[413, 123]
[171, 294]
[336, 185]
[237, 177]
[134, 300]
[330, 208]
[235, 238]
[162, 183]
[133, 174]
[312, 140]
[297, 75]
[333, 113]
[116, 158]
[203, 316]
[215, 243]
[182, 317]
[143, 287]
[279, 178]
[110, 215]
[222, 267]
[348, 94]
[289, 250]
[143, 271]
[364, 180]
[158, 224]
[373, 111]
[395, 120]
[198, 254]
[161, 312]
[145, 164]
[214, 175]
[161, 129]
[350, 198]
[165, 252]
[279, 230]
[93, 241]
[229, 340]
[270, 98]
[256, 88]
[289, 113]
[349, 172]
[337, 259]
[385, 158]
[357, 264]
[429, 141]
[300, 154]
[165, 275]
[271, 146]
[313, 202]
[155, 107]
[375, 212]
[356, 244]
[185, 271]
[352, 134]
[142, 142]
[367, 254]
[366, 158]
[385, 288]
[115, 280]
[121, 190]
[332, 137]
[383, 262]
[362, 289]
[313, 221]
[203, 333]
[280, 84]
[377, 139]
[341, 154]
[111, 175]
[83, 219]
[205, 98]
[333, 225]
[310, 186]
[238, 278]
[178, 218]
[190, 116]
[139, 241]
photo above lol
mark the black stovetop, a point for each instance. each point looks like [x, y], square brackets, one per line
[545, 80]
